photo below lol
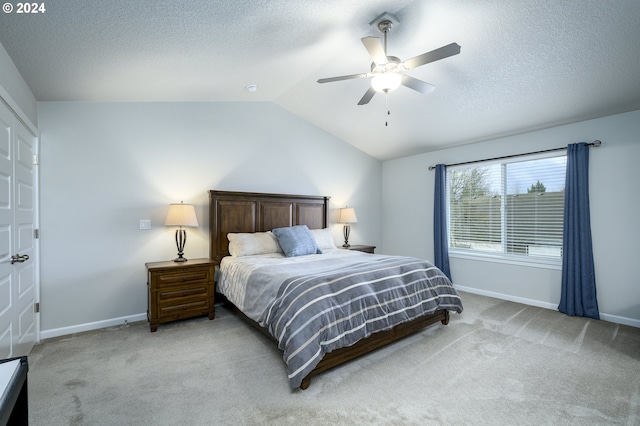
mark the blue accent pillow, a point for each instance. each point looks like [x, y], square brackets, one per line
[296, 241]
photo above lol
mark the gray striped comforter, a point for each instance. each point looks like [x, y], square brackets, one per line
[313, 314]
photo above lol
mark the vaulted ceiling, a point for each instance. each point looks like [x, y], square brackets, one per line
[524, 65]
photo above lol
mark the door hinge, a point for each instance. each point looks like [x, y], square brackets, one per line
[36, 233]
[36, 308]
[36, 159]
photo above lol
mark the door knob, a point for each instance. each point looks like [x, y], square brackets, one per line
[19, 258]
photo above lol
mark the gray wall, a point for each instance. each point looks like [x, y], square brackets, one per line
[407, 199]
[105, 166]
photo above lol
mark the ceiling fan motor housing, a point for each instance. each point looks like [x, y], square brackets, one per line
[394, 64]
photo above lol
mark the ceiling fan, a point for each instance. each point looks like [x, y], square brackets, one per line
[388, 72]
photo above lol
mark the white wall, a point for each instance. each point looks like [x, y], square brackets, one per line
[407, 199]
[105, 166]
[16, 93]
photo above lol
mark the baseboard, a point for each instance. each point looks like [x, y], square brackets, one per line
[620, 320]
[532, 302]
[509, 297]
[64, 331]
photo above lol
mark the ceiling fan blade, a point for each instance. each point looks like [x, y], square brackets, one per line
[367, 96]
[434, 55]
[343, 77]
[417, 85]
[374, 47]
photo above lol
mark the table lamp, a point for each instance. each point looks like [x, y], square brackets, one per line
[181, 215]
[347, 216]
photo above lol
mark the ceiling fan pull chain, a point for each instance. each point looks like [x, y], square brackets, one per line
[386, 123]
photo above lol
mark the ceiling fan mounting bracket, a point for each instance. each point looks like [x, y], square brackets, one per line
[385, 26]
[385, 22]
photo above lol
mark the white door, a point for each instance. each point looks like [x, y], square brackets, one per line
[17, 253]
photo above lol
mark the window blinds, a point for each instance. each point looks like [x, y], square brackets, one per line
[510, 208]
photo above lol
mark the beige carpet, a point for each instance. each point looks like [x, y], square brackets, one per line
[498, 363]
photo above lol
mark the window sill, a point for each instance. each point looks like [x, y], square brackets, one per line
[529, 261]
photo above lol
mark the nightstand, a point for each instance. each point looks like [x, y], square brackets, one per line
[362, 248]
[179, 290]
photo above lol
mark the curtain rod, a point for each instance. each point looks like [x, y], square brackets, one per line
[595, 143]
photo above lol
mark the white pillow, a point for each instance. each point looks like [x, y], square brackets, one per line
[324, 238]
[249, 244]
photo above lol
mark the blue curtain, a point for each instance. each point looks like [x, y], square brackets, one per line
[440, 234]
[578, 296]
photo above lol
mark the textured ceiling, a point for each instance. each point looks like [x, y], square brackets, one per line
[524, 64]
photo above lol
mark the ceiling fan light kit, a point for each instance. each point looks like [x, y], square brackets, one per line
[388, 72]
[386, 82]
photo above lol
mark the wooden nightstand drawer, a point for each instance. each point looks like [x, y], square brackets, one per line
[171, 279]
[177, 294]
[183, 310]
[179, 290]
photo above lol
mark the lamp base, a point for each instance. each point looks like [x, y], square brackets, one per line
[181, 240]
[346, 230]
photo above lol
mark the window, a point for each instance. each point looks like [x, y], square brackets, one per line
[509, 209]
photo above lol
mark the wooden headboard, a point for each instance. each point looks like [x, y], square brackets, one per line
[257, 212]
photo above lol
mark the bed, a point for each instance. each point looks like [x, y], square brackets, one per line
[322, 305]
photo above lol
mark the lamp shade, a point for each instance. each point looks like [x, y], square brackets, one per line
[347, 215]
[181, 215]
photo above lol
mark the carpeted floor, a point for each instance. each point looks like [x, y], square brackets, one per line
[498, 363]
